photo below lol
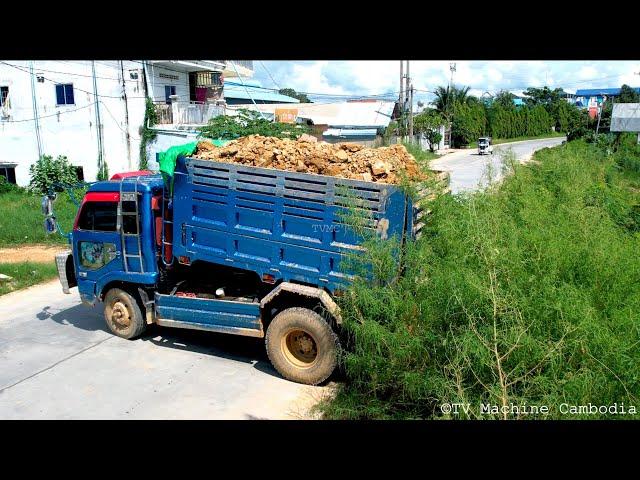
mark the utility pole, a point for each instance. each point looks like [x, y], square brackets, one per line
[409, 94]
[126, 115]
[604, 99]
[452, 68]
[98, 119]
[401, 96]
[35, 110]
[411, 112]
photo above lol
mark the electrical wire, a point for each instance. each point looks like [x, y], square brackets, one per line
[116, 121]
[47, 116]
[57, 83]
[269, 73]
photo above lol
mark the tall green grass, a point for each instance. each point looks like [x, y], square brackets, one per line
[22, 222]
[525, 294]
[25, 274]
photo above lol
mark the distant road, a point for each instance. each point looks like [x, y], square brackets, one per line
[468, 169]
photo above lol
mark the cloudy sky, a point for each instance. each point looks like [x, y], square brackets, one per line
[382, 77]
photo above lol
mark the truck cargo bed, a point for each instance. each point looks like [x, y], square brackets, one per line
[285, 224]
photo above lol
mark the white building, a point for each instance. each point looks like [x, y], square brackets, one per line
[55, 107]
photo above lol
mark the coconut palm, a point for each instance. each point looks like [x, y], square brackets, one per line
[447, 97]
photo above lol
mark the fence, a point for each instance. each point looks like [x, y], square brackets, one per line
[187, 113]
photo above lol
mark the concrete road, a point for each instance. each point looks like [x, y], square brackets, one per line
[58, 361]
[470, 171]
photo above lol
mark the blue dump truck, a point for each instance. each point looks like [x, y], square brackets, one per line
[229, 248]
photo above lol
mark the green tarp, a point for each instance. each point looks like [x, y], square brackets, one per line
[167, 159]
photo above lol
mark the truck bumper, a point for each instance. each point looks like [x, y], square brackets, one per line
[66, 271]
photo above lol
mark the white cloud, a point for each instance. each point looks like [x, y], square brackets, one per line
[377, 77]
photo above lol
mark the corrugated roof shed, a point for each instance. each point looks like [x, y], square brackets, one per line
[350, 132]
[252, 89]
[590, 92]
[625, 117]
[375, 114]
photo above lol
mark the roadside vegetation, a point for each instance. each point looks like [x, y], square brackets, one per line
[25, 274]
[21, 219]
[527, 293]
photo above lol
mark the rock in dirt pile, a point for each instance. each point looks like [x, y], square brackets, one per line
[345, 160]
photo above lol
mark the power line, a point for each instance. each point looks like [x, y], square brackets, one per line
[47, 116]
[57, 83]
[269, 73]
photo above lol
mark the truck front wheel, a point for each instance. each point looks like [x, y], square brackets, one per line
[122, 314]
[302, 346]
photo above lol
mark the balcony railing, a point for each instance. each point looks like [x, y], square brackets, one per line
[187, 113]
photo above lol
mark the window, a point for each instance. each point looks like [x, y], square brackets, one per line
[4, 95]
[9, 173]
[168, 91]
[64, 94]
[130, 223]
[99, 216]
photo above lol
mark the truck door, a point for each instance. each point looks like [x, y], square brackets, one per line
[96, 241]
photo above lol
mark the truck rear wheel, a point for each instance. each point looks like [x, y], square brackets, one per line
[122, 314]
[302, 346]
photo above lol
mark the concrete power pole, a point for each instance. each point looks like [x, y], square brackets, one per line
[126, 116]
[410, 101]
[452, 68]
[98, 119]
[35, 110]
[401, 96]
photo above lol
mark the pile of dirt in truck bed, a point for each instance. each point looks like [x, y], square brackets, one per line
[345, 160]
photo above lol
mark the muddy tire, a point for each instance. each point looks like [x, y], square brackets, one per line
[122, 314]
[302, 346]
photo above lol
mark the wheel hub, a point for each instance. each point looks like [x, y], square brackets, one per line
[120, 315]
[300, 348]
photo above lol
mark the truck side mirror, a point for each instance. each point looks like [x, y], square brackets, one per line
[50, 225]
[47, 207]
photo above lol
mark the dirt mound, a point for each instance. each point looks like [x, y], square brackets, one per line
[346, 160]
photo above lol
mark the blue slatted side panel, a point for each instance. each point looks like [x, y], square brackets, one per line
[285, 223]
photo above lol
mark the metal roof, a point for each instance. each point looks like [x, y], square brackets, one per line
[252, 89]
[350, 132]
[590, 92]
[625, 117]
[375, 114]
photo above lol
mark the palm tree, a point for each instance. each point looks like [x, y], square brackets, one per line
[447, 97]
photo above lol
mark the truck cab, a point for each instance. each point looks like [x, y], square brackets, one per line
[114, 235]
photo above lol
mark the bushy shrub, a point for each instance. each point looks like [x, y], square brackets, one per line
[469, 123]
[6, 187]
[249, 122]
[48, 173]
[526, 294]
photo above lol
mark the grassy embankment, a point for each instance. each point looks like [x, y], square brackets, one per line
[26, 274]
[525, 294]
[21, 223]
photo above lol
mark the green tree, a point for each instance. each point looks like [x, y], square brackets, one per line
[505, 99]
[290, 92]
[447, 97]
[428, 123]
[469, 123]
[542, 96]
[147, 134]
[628, 95]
